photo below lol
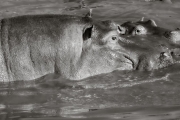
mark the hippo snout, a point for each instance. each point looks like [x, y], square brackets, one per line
[176, 54]
[154, 61]
[173, 36]
[147, 56]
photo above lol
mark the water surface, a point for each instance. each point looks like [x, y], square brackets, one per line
[122, 95]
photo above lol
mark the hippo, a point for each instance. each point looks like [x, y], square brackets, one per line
[149, 27]
[73, 47]
[142, 27]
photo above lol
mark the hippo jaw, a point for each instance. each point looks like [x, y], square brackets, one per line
[145, 62]
[124, 61]
[153, 62]
[100, 62]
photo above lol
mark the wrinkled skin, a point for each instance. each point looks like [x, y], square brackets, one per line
[72, 47]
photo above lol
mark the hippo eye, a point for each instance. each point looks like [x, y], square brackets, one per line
[137, 31]
[140, 30]
[114, 38]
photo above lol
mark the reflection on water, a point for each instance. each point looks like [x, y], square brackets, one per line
[117, 95]
[120, 94]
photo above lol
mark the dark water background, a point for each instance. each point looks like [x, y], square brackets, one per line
[125, 95]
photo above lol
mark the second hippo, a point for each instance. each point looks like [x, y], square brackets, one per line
[142, 28]
[149, 27]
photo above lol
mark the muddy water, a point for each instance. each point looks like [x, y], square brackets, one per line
[118, 95]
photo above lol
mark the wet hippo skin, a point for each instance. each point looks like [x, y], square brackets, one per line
[72, 47]
[149, 27]
[147, 33]
[142, 27]
[173, 36]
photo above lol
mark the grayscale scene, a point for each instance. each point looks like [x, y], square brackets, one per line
[89, 59]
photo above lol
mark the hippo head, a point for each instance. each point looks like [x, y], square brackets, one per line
[142, 27]
[103, 49]
[106, 49]
[154, 47]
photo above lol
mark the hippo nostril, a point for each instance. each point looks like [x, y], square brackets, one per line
[172, 53]
[167, 34]
[175, 54]
[164, 54]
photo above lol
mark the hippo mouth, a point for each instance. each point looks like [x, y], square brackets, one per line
[138, 58]
[148, 63]
[157, 61]
[126, 60]
[129, 60]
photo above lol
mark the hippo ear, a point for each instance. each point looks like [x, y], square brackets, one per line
[142, 19]
[87, 32]
[89, 14]
[152, 22]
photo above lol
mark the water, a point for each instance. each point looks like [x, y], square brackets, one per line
[122, 95]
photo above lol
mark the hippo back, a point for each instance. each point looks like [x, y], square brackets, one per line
[35, 46]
